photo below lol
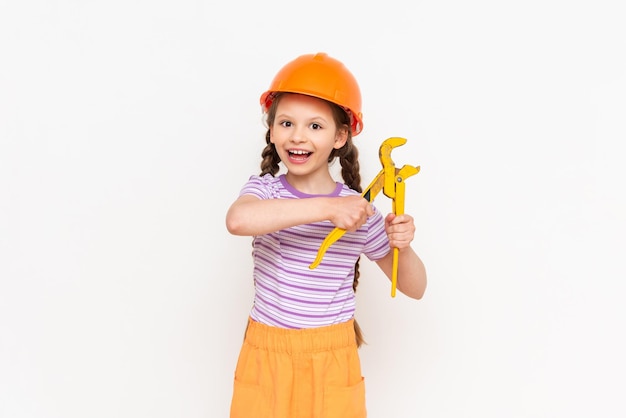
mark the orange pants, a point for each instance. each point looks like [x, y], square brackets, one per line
[305, 373]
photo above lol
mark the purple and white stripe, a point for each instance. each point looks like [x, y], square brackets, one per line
[287, 293]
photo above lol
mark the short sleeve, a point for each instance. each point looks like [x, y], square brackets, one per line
[263, 187]
[377, 243]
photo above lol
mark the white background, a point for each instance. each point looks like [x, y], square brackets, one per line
[128, 127]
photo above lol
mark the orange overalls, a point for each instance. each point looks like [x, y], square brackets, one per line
[304, 373]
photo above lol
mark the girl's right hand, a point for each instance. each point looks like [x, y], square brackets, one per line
[350, 212]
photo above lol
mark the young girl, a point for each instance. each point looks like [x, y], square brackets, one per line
[299, 358]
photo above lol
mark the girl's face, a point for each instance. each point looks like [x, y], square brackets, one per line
[304, 134]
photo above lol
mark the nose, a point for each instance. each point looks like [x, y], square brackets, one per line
[298, 134]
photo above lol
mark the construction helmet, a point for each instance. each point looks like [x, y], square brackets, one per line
[320, 76]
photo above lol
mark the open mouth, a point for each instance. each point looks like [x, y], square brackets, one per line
[299, 155]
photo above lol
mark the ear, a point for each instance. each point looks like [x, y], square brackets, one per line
[271, 134]
[341, 137]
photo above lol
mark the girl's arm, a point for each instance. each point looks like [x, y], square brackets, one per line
[249, 215]
[411, 271]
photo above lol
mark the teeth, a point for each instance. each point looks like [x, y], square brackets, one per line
[299, 152]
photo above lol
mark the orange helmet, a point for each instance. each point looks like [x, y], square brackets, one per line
[323, 77]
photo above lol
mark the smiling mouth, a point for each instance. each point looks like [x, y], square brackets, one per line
[299, 154]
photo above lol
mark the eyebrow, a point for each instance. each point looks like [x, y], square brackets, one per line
[314, 119]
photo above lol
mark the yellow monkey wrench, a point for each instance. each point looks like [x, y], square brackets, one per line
[391, 181]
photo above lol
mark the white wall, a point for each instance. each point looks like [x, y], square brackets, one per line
[128, 127]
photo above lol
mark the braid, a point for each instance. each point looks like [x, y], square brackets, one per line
[269, 163]
[351, 174]
[350, 168]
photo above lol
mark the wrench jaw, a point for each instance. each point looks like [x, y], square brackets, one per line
[388, 144]
[389, 167]
[397, 200]
[407, 171]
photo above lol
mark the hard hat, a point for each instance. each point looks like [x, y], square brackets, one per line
[320, 76]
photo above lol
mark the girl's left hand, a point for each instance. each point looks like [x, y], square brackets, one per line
[400, 230]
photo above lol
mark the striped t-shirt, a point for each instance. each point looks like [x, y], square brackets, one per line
[287, 293]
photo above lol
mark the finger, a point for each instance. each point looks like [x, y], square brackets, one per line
[403, 232]
[404, 218]
[400, 240]
[398, 219]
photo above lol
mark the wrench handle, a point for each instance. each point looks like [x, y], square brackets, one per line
[394, 274]
[398, 209]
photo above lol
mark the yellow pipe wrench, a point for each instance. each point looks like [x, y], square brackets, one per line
[391, 181]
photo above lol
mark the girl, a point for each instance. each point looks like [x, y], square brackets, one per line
[299, 358]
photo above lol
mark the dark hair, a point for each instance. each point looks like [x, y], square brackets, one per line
[348, 158]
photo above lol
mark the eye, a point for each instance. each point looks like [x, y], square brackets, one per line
[316, 126]
[285, 123]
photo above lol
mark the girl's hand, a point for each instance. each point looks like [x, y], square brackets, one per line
[400, 230]
[350, 212]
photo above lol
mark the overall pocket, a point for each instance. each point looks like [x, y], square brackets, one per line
[249, 400]
[345, 402]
